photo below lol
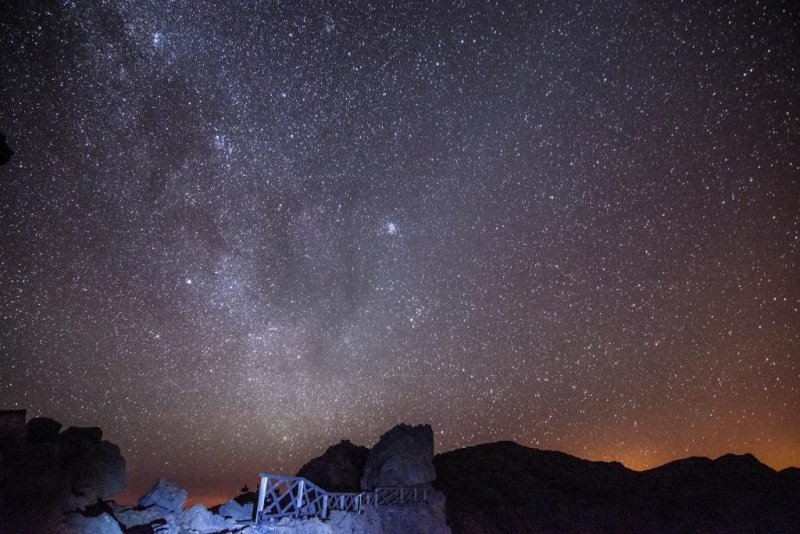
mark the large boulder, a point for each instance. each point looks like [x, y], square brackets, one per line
[43, 430]
[403, 456]
[199, 520]
[145, 520]
[422, 518]
[83, 434]
[77, 523]
[43, 473]
[340, 468]
[238, 512]
[96, 468]
[166, 495]
[290, 525]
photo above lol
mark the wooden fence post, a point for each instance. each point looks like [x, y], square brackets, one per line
[301, 486]
[262, 494]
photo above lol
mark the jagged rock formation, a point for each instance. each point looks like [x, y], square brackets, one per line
[237, 511]
[43, 430]
[403, 456]
[165, 495]
[96, 468]
[77, 523]
[505, 487]
[498, 487]
[44, 473]
[339, 469]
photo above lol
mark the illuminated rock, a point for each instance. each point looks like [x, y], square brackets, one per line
[403, 456]
[166, 495]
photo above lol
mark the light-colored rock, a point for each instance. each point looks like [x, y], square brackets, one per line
[289, 525]
[403, 456]
[346, 523]
[424, 518]
[199, 520]
[166, 495]
[236, 511]
[76, 523]
[133, 517]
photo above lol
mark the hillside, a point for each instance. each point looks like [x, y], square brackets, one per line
[505, 487]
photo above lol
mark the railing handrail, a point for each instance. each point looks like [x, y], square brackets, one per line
[308, 483]
[296, 496]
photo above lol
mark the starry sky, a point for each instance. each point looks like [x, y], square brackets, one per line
[234, 233]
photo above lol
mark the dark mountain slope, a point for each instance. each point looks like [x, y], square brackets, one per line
[505, 487]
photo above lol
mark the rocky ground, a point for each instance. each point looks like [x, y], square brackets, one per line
[54, 481]
[59, 481]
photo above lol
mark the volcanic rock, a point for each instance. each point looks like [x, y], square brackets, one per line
[238, 512]
[96, 468]
[166, 495]
[41, 477]
[43, 430]
[403, 456]
[86, 434]
[198, 520]
[340, 468]
[146, 520]
[76, 523]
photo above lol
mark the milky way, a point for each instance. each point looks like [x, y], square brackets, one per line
[233, 235]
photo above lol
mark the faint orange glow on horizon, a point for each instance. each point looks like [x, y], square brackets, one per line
[776, 457]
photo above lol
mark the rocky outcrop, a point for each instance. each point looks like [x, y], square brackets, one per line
[81, 434]
[236, 511]
[44, 473]
[78, 523]
[403, 456]
[505, 487]
[130, 517]
[340, 468]
[43, 430]
[199, 519]
[165, 495]
[95, 467]
[196, 519]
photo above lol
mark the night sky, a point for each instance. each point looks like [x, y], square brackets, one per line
[232, 235]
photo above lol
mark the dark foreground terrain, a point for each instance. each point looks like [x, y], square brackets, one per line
[54, 480]
[505, 487]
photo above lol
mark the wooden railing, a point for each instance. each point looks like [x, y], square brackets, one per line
[400, 495]
[281, 496]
